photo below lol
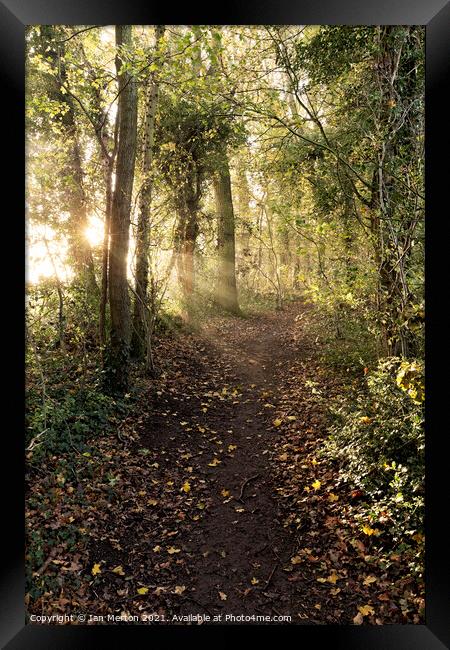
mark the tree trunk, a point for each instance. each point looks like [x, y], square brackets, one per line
[76, 198]
[226, 290]
[140, 322]
[186, 236]
[117, 358]
[109, 169]
[186, 241]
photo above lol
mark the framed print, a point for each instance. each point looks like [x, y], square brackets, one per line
[228, 422]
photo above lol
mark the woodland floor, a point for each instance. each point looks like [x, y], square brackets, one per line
[200, 503]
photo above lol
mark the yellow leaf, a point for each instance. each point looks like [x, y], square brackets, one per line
[215, 462]
[368, 580]
[365, 420]
[157, 548]
[119, 570]
[318, 606]
[291, 418]
[152, 502]
[365, 610]
[222, 595]
[232, 447]
[334, 592]
[186, 487]
[225, 493]
[316, 485]
[332, 497]
[296, 559]
[171, 550]
[96, 569]
[313, 461]
[367, 530]
[142, 591]
[179, 590]
[333, 578]
[283, 457]
[255, 581]
[277, 422]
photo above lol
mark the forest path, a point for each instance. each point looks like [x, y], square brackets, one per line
[242, 542]
[238, 548]
[202, 520]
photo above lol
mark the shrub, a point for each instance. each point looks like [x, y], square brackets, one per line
[378, 437]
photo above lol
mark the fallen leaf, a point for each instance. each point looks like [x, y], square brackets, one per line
[368, 580]
[222, 595]
[119, 570]
[333, 578]
[215, 462]
[296, 559]
[367, 530]
[332, 497]
[180, 590]
[316, 485]
[142, 591]
[171, 550]
[365, 610]
[96, 569]
[254, 581]
[225, 493]
[277, 422]
[358, 620]
[186, 487]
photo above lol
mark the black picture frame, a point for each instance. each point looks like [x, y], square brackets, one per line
[435, 14]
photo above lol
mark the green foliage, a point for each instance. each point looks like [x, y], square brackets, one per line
[378, 438]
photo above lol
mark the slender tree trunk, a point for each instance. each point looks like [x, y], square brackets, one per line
[187, 237]
[117, 358]
[226, 290]
[76, 198]
[81, 250]
[140, 330]
[109, 169]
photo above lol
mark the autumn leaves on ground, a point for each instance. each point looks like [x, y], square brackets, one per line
[213, 498]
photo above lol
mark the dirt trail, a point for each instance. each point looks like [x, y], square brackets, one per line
[240, 547]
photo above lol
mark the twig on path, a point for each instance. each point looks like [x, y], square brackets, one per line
[268, 581]
[52, 555]
[244, 484]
